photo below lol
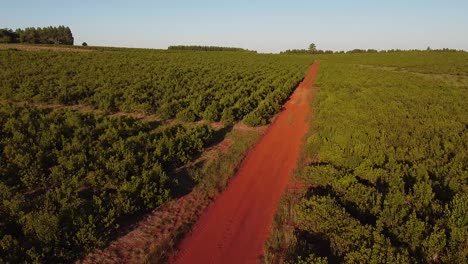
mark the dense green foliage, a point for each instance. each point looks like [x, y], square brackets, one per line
[8, 36]
[47, 35]
[229, 86]
[389, 177]
[205, 48]
[67, 179]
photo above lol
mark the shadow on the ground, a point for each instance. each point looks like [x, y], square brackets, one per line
[182, 182]
[311, 243]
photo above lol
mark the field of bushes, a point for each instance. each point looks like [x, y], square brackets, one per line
[187, 85]
[69, 178]
[385, 163]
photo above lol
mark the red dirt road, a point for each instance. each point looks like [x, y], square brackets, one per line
[234, 228]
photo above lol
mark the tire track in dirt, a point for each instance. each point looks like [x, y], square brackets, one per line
[234, 228]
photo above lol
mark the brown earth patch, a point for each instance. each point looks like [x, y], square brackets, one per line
[25, 47]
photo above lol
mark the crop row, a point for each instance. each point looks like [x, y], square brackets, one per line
[190, 86]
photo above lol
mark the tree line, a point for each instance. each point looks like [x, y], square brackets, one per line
[306, 51]
[206, 48]
[47, 35]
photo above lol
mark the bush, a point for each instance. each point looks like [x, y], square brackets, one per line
[187, 115]
[254, 119]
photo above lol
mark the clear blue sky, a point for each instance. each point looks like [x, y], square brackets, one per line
[266, 26]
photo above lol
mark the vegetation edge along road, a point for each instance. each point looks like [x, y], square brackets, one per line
[152, 239]
[383, 174]
[234, 228]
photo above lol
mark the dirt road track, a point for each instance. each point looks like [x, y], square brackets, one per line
[235, 227]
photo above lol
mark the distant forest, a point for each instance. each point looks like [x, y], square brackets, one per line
[46, 35]
[308, 51]
[206, 48]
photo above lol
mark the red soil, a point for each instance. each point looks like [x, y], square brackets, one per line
[152, 233]
[234, 228]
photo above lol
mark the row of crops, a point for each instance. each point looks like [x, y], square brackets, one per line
[388, 174]
[190, 86]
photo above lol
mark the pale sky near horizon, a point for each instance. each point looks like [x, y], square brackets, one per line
[262, 25]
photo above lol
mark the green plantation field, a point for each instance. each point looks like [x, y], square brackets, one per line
[71, 174]
[436, 62]
[385, 164]
[383, 176]
[68, 178]
[187, 85]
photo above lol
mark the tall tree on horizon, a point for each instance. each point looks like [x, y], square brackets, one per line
[312, 47]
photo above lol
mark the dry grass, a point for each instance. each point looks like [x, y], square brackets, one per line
[25, 47]
[155, 238]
